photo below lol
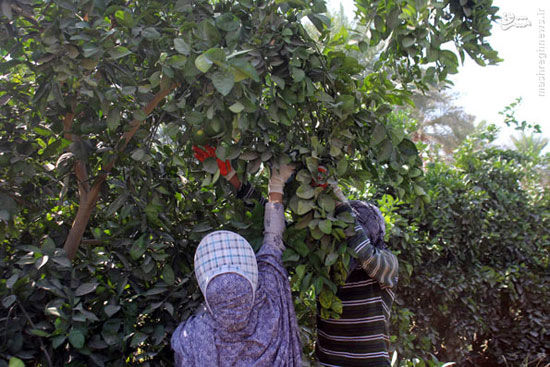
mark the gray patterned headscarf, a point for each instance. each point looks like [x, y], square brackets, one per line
[223, 252]
[372, 221]
[240, 327]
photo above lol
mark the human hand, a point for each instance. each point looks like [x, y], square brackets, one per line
[224, 166]
[279, 176]
[338, 193]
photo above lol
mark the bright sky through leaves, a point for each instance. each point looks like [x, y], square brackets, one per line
[484, 91]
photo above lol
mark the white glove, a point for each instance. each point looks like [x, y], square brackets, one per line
[279, 176]
[338, 193]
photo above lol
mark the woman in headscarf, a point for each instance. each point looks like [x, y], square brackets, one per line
[248, 316]
[360, 337]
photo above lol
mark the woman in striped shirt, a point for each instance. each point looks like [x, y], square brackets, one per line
[360, 337]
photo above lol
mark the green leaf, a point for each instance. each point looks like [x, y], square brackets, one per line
[407, 42]
[312, 164]
[304, 206]
[14, 361]
[8, 205]
[118, 52]
[378, 134]
[76, 338]
[203, 63]
[298, 75]
[168, 274]
[138, 154]
[39, 332]
[233, 152]
[331, 259]
[327, 203]
[242, 69]
[151, 33]
[280, 82]
[212, 56]
[316, 233]
[318, 284]
[223, 82]
[305, 191]
[385, 150]
[408, 148]
[337, 305]
[346, 103]
[301, 248]
[335, 151]
[138, 248]
[228, 22]
[236, 107]
[342, 167]
[182, 47]
[58, 340]
[201, 227]
[137, 339]
[9, 300]
[183, 6]
[325, 298]
[208, 33]
[177, 61]
[139, 115]
[419, 190]
[124, 18]
[449, 58]
[379, 24]
[110, 310]
[10, 282]
[85, 288]
[300, 270]
[320, 21]
[210, 165]
[326, 226]
[113, 119]
[42, 131]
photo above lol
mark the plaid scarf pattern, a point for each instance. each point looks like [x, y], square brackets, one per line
[223, 252]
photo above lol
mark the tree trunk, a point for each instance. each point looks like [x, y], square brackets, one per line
[88, 197]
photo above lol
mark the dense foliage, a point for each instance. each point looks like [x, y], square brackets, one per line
[102, 203]
[474, 286]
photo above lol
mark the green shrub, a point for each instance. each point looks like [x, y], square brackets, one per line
[474, 282]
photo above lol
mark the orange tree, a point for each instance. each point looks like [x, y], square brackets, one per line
[473, 284]
[101, 202]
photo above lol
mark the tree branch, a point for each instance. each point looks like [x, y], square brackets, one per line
[80, 170]
[86, 206]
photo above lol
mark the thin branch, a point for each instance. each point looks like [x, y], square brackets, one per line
[42, 346]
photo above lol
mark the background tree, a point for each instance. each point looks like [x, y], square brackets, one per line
[529, 144]
[439, 121]
[474, 285]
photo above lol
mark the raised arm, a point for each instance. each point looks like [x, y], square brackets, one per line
[274, 219]
[246, 191]
[380, 264]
